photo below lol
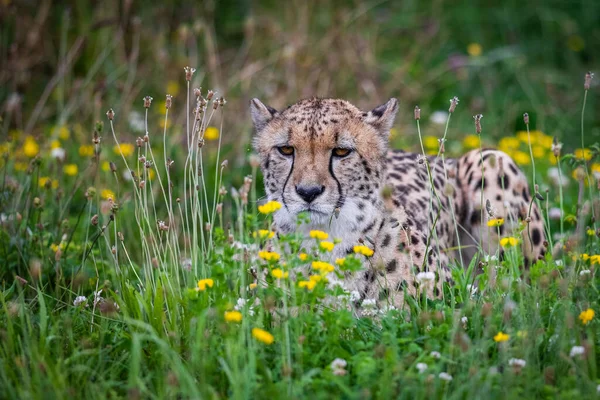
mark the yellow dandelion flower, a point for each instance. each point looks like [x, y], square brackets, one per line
[253, 286]
[585, 256]
[538, 152]
[55, 144]
[105, 166]
[108, 194]
[471, 142]
[315, 278]
[211, 133]
[264, 234]
[269, 255]
[126, 149]
[501, 337]
[585, 154]
[590, 232]
[586, 316]
[86, 150]
[431, 142]
[43, 181]
[30, 147]
[495, 222]
[204, 283]
[278, 273]
[54, 247]
[269, 207]
[507, 144]
[233, 316]
[262, 336]
[474, 49]
[302, 256]
[322, 266]
[327, 246]
[70, 169]
[318, 235]
[340, 261]
[62, 132]
[310, 285]
[521, 158]
[595, 259]
[509, 241]
[364, 250]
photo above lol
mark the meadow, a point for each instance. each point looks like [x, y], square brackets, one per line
[137, 257]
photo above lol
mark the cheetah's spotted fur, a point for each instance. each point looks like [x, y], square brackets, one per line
[383, 197]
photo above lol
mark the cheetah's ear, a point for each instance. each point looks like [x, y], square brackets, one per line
[261, 114]
[382, 117]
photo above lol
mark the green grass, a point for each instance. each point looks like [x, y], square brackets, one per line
[145, 330]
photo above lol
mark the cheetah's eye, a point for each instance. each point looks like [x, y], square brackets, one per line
[340, 152]
[286, 150]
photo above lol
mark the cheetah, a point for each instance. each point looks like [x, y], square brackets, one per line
[330, 160]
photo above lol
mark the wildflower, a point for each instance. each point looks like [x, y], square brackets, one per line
[253, 286]
[58, 153]
[585, 272]
[316, 278]
[517, 364]
[422, 367]
[464, 321]
[30, 147]
[327, 246]
[233, 316]
[509, 242]
[322, 266]
[278, 273]
[86, 150]
[577, 351]
[445, 376]
[126, 149]
[338, 366]
[521, 158]
[80, 300]
[471, 142]
[310, 284]
[595, 259]
[438, 117]
[453, 103]
[211, 133]
[319, 235]
[436, 355]
[425, 277]
[204, 283]
[586, 316]
[70, 169]
[501, 337]
[585, 154]
[340, 261]
[264, 234]
[269, 207]
[364, 250]
[495, 222]
[107, 194]
[63, 132]
[262, 336]
[474, 49]
[269, 255]
[369, 307]
[302, 256]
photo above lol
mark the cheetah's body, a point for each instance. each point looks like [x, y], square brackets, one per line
[384, 198]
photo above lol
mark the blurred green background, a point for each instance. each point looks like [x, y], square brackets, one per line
[67, 62]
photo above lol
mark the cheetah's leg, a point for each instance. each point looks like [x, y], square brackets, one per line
[501, 192]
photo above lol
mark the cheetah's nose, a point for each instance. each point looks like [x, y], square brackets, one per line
[309, 193]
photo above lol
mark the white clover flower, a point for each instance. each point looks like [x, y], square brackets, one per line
[438, 117]
[555, 214]
[387, 308]
[559, 263]
[58, 153]
[369, 307]
[422, 367]
[369, 303]
[577, 351]
[80, 300]
[585, 272]
[97, 297]
[338, 366]
[517, 362]
[445, 376]
[425, 277]
[488, 258]
[435, 354]
[136, 121]
[354, 296]
[472, 289]
[464, 321]
[241, 303]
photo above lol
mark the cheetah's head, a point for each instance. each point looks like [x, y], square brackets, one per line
[322, 156]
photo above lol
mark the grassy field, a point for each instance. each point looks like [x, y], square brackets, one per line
[132, 229]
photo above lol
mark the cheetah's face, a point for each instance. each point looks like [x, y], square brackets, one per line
[322, 155]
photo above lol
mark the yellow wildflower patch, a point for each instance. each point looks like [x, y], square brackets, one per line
[107, 194]
[310, 285]
[431, 142]
[278, 273]
[30, 147]
[233, 316]
[126, 149]
[364, 250]
[471, 142]
[340, 261]
[269, 255]
[302, 256]
[585, 154]
[318, 235]
[264, 234]
[211, 133]
[43, 181]
[474, 49]
[495, 222]
[509, 241]
[70, 169]
[586, 316]
[327, 246]
[205, 283]
[322, 266]
[86, 150]
[501, 337]
[253, 286]
[269, 207]
[262, 336]
[521, 158]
